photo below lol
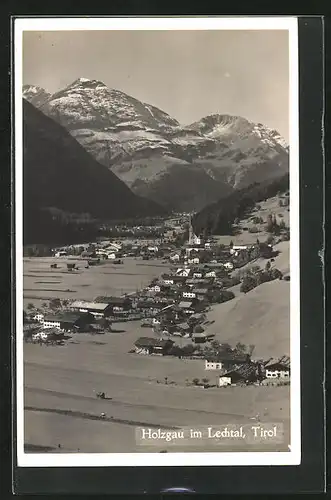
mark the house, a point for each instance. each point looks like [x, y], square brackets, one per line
[197, 274]
[279, 368]
[199, 338]
[196, 318]
[88, 255]
[229, 266]
[226, 360]
[168, 281]
[68, 320]
[183, 272]
[153, 249]
[111, 256]
[48, 334]
[189, 294]
[115, 303]
[203, 293]
[61, 254]
[150, 307]
[150, 322]
[237, 248]
[210, 274]
[39, 317]
[186, 307]
[98, 309]
[178, 279]
[213, 365]
[239, 373]
[40, 336]
[224, 381]
[149, 345]
[155, 288]
[193, 260]
[175, 257]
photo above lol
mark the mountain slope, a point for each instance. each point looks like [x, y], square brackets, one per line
[259, 318]
[36, 95]
[149, 150]
[219, 217]
[59, 173]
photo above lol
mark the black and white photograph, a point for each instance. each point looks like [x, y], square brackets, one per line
[157, 241]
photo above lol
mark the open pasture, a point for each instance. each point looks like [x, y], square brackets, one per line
[61, 385]
[41, 282]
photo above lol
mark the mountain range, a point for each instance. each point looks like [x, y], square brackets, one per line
[180, 167]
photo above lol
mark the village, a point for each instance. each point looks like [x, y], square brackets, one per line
[174, 308]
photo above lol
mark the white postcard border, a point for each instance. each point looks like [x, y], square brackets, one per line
[293, 457]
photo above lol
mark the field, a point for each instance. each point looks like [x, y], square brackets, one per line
[260, 318]
[42, 283]
[61, 405]
[62, 413]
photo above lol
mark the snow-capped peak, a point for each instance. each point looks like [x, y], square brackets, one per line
[83, 80]
[33, 89]
[34, 94]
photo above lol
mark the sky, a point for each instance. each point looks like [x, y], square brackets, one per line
[187, 74]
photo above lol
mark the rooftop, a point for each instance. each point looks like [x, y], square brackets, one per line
[200, 290]
[283, 360]
[244, 370]
[98, 306]
[111, 300]
[184, 304]
[65, 316]
[151, 342]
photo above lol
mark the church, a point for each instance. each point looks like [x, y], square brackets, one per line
[194, 242]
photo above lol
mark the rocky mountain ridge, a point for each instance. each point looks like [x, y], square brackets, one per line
[150, 151]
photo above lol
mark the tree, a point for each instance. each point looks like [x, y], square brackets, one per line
[196, 381]
[276, 274]
[249, 282]
[55, 303]
[30, 306]
[268, 265]
[270, 224]
[166, 380]
[225, 347]
[215, 344]
[251, 348]
[286, 235]
[225, 295]
[205, 381]
[241, 348]
[263, 277]
[231, 244]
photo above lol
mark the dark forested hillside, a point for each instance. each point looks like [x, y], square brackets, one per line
[218, 218]
[59, 173]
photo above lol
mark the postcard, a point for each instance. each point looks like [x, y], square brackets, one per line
[157, 241]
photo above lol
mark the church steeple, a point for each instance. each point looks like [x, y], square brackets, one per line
[192, 239]
[190, 234]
